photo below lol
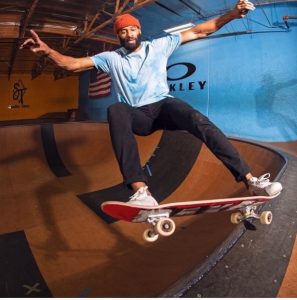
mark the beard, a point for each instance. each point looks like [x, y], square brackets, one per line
[130, 46]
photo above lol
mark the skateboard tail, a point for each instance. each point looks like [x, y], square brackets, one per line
[126, 215]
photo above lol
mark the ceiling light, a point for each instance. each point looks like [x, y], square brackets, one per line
[179, 28]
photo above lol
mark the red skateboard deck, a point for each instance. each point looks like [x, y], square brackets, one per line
[160, 216]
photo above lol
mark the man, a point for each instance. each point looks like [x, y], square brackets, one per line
[144, 105]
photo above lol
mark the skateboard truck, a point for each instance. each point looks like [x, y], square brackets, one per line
[161, 225]
[249, 212]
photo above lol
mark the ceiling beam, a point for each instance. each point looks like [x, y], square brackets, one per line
[194, 7]
[14, 33]
[104, 38]
[7, 32]
[93, 21]
[111, 20]
[22, 31]
[116, 7]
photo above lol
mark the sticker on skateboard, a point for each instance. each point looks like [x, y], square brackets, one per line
[160, 217]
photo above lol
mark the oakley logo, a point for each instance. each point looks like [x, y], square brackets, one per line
[190, 70]
[184, 70]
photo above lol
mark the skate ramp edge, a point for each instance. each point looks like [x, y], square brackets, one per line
[87, 254]
[252, 261]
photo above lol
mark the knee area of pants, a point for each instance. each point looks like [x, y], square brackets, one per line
[198, 118]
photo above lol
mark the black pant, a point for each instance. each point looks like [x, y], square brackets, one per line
[171, 114]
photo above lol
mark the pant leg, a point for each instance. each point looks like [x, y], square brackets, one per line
[180, 115]
[124, 121]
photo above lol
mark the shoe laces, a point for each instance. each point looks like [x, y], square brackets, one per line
[262, 180]
[140, 192]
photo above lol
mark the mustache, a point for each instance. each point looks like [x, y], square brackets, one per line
[124, 42]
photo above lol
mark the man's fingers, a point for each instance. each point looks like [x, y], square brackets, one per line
[248, 5]
[35, 35]
[28, 43]
[32, 42]
[244, 6]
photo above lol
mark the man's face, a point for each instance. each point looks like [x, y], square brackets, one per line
[130, 37]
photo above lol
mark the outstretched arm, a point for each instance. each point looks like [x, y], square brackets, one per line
[36, 45]
[204, 29]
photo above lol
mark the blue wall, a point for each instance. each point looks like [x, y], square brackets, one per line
[246, 84]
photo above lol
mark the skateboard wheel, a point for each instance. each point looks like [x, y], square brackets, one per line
[266, 217]
[165, 227]
[236, 217]
[150, 235]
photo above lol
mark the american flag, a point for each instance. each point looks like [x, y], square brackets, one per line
[100, 84]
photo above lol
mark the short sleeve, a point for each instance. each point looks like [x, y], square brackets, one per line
[101, 61]
[169, 42]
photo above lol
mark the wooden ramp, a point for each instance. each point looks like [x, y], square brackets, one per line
[53, 179]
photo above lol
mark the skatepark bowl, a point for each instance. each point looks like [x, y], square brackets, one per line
[56, 242]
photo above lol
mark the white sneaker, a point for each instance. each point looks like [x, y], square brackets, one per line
[263, 187]
[141, 197]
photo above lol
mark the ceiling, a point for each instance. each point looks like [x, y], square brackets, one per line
[79, 28]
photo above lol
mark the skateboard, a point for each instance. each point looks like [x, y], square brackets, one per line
[160, 217]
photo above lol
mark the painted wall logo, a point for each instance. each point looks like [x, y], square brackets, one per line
[18, 93]
[181, 71]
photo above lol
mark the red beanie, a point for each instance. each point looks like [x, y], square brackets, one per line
[124, 21]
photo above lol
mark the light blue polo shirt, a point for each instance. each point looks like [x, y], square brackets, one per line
[140, 77]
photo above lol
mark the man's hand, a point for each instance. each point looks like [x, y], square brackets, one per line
[35, 44]
[242, 8]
